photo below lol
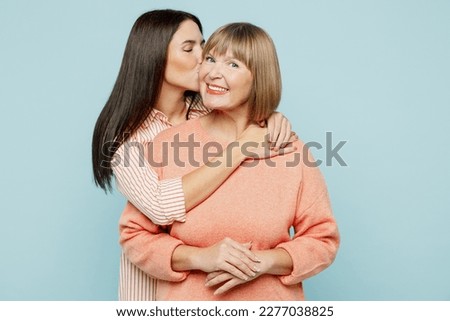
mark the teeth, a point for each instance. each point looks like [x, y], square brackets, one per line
[212, 87]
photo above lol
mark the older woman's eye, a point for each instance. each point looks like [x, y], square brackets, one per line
[187, 49]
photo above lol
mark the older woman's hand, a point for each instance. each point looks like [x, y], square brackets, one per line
[229, 256]
[275, 261]
[227, 280]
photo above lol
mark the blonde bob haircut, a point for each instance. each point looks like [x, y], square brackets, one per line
[254, 47]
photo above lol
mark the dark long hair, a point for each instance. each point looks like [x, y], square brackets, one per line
[137, 86]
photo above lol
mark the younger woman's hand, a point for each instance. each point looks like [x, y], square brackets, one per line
[254, 143]
[280, 131]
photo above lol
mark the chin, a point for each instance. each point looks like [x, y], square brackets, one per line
[209, 106]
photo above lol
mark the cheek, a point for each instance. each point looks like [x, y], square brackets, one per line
[202, 74]
[248, 85]
[180, 65]
[202, 86]
[203, 71]
[190, 62]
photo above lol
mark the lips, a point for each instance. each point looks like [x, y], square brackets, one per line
[216, 90]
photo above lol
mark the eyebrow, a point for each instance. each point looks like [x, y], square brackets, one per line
[226, 56]
[192, 42]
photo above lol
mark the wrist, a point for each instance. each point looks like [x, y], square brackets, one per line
[234, 152]
[275, 261]
[267, 263]
[195, 259]
[186, 258]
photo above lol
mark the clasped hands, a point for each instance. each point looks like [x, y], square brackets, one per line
[229, 263]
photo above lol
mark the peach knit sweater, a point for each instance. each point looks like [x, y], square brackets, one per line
[259, 202]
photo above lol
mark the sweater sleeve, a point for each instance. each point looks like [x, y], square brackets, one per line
[147, 245]
[316, 240]
[162, 201]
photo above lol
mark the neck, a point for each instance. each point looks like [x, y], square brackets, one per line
[172, 103]
[226, 126]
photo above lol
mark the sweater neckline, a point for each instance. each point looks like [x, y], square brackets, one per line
[204, 134]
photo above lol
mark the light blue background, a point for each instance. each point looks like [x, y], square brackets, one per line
[375, 73]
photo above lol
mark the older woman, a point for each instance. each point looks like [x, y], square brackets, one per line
[203, 258]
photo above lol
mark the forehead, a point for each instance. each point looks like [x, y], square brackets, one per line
[228, 44]
[229, 53]
[187, 31]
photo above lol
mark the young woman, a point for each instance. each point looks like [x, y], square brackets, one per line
[207, 257]
[155, 90]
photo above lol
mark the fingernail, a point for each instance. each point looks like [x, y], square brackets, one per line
[257, 269]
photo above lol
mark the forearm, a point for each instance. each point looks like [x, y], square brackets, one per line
[141, 186]
[147, 246]
[202, 182]
[161, 201]
[183, 258]
[311, 253]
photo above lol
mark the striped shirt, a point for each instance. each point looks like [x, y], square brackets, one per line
[161, 201]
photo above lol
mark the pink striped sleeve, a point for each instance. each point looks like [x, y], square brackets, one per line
[161, 201]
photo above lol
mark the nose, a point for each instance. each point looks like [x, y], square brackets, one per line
[216, 71]
[199, 57]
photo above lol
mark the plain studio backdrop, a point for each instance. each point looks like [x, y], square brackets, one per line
[375, 74]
